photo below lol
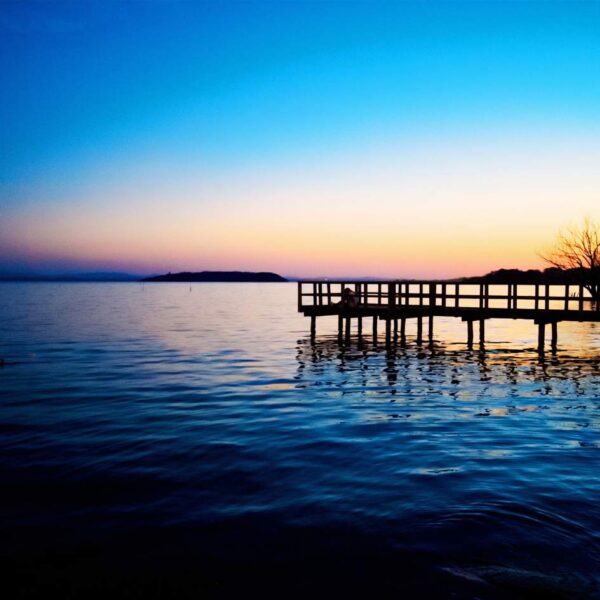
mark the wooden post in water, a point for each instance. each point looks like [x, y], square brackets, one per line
[340, 326]
[470, 333]
[348, 323]
[541, 336]
[419, 329]
[432, 305]
[388, 332]
[554, 335]
[403, 330]
[395, 330]
[313, 326]
[359, 327]
[481, 332]
[374, 329]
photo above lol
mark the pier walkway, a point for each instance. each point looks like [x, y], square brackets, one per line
[393, 302]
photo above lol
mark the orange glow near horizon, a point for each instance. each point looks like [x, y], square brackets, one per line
[428, 213]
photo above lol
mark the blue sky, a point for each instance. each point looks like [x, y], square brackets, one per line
[102, 101]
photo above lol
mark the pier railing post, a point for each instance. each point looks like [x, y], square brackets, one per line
[391, 295]
[299, 296]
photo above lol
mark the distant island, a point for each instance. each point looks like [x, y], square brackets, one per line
[552, 275]
[218, 276]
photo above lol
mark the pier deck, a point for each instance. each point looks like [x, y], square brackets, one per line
[395, 301]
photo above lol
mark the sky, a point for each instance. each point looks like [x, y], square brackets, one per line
[406, 139]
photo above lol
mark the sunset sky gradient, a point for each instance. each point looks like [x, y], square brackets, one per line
[312, 139]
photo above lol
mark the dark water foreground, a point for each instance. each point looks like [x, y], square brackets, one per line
[162, 442]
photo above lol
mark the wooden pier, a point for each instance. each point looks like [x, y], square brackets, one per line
[393, 302]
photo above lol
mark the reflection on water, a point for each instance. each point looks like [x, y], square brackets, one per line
[161, 441]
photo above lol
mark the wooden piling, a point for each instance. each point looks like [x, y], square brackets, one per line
[313, 326]
[375, 328]
[430, 328]
[470, 333]
[541, 336]
[482, 332]
[419, 330]
[554, 335]
[340, 325]
[360, 326]
[348, 323]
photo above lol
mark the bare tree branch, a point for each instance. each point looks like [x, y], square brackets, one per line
[579, 248]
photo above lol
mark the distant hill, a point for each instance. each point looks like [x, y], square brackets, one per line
[532, 276]
[219, 276]
[70, 277]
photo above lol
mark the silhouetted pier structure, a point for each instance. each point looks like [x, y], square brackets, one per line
[393, 302]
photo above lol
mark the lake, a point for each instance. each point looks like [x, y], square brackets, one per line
[168, 440]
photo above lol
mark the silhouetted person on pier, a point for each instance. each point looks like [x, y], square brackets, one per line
[349, 298]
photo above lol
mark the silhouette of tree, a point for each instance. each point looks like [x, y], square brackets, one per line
[578, 248]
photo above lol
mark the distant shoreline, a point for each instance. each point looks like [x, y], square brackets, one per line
[217, 277]
[501, 276]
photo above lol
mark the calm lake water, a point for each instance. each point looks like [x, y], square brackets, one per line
[163, 440]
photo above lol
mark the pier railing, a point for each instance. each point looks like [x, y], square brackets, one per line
[397, 294]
